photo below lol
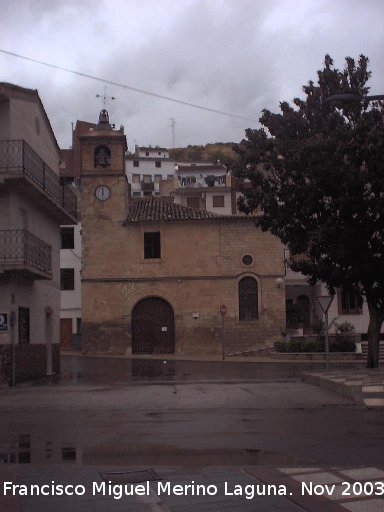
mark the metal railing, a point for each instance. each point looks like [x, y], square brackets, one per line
[17, 157]
[208, 181]
[18, 247]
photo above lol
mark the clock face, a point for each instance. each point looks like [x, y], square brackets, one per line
[102, 192]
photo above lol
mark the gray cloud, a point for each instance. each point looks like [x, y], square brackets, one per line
[239, 56]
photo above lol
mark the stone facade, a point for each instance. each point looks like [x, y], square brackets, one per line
[198, 270]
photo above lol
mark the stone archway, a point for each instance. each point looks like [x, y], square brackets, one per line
[153, 329]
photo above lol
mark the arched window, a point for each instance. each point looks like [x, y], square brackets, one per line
[248, 303]
[102, 156]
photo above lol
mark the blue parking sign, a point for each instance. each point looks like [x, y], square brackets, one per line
[3, 322]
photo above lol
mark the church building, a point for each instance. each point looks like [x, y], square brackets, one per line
[163, 278]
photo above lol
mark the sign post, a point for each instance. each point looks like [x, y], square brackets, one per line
[13, 323]
[223, 312]
[325, 301]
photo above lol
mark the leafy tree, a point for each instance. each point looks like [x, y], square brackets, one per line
[177, 153]
[317, 178]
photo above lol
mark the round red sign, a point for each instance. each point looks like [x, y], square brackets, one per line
[223, 310]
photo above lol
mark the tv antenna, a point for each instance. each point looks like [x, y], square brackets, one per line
[104, 97]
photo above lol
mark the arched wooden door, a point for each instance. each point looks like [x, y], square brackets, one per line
[153, 329]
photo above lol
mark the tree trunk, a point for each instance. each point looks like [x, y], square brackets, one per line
[376, 317]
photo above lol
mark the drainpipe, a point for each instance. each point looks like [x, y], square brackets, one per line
[48, 336]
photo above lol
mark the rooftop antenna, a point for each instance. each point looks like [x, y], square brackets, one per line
[104, 97]
[71, 134]
[172, 125]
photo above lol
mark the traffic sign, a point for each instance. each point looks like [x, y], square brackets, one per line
[3, 322]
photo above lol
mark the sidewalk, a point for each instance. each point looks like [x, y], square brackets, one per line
[365, 386]
[252, 482]
[344, 487]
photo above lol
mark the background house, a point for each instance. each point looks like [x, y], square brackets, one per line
[70, 245]
[70, 285]
[146, 168]
[206, 187]
[303, 312]
[33, 204]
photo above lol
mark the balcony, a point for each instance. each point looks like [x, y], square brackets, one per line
[18, 161]
[147, 187]
[204, 182]
[20, 251]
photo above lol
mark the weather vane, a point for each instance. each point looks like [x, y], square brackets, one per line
[104, 97]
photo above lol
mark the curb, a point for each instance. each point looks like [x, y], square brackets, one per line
[364, 388]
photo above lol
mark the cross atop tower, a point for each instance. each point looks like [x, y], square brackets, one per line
[104, 97]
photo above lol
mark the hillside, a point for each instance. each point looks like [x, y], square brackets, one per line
[222, 151]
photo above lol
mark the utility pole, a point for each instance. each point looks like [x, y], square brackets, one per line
[173, 123]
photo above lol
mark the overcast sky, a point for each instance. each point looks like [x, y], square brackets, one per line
[237, 56]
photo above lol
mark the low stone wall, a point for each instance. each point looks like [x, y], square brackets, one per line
[332, 337]
[316, 356]
[30, 362]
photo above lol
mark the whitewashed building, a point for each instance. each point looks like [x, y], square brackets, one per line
[304, 312]
[70, 281]
[206, 186]
[33, 204]
[146, 168]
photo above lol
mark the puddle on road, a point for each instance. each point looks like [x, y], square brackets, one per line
[25, 449]
[118, 371]
[111, 371]
[169, 455]
[153, 368]
[16, 451]
[129, 370]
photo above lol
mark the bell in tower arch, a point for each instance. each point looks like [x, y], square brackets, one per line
[103, 123]
[102, 156]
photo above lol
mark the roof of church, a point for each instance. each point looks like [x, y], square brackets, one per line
[152, 208]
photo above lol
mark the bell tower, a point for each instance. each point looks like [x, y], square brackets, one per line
[104, 199]
[104, 187]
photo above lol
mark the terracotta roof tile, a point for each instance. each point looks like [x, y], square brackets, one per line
[153, 208]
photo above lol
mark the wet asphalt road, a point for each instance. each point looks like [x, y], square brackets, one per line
[121, 371]
[124, 412]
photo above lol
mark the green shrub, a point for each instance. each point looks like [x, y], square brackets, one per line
[344, 328]
[343, 344]
[339, 345]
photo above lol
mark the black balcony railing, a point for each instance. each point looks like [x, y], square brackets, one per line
[19, 249]
[17, 157]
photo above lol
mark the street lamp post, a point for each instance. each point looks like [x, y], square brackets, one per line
[325, 301]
